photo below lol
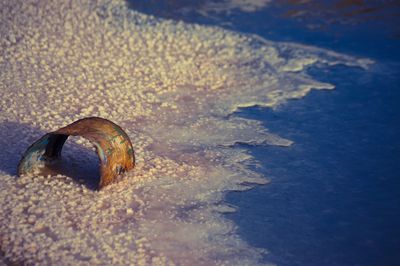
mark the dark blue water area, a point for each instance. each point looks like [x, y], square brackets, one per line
[334, 196]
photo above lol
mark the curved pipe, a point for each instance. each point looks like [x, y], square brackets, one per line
[113, 147]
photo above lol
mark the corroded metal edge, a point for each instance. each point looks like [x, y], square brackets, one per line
[113, 147]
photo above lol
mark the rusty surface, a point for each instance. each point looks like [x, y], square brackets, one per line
[113, 147]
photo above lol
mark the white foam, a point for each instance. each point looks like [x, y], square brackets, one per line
[172, 87]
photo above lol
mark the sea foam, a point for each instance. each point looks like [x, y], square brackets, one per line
[173, 87]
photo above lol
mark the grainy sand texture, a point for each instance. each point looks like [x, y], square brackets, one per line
[172, 87]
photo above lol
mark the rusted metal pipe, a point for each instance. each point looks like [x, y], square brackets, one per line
[113, 147]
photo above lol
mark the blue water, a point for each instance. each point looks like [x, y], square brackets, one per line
[335, 193]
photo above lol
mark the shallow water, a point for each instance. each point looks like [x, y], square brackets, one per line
[174, 87]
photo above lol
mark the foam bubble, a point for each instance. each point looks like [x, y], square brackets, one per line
[172, 86]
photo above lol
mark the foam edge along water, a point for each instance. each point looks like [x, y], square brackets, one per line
[172, 86]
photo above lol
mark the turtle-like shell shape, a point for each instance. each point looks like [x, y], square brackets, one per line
[113, 147]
